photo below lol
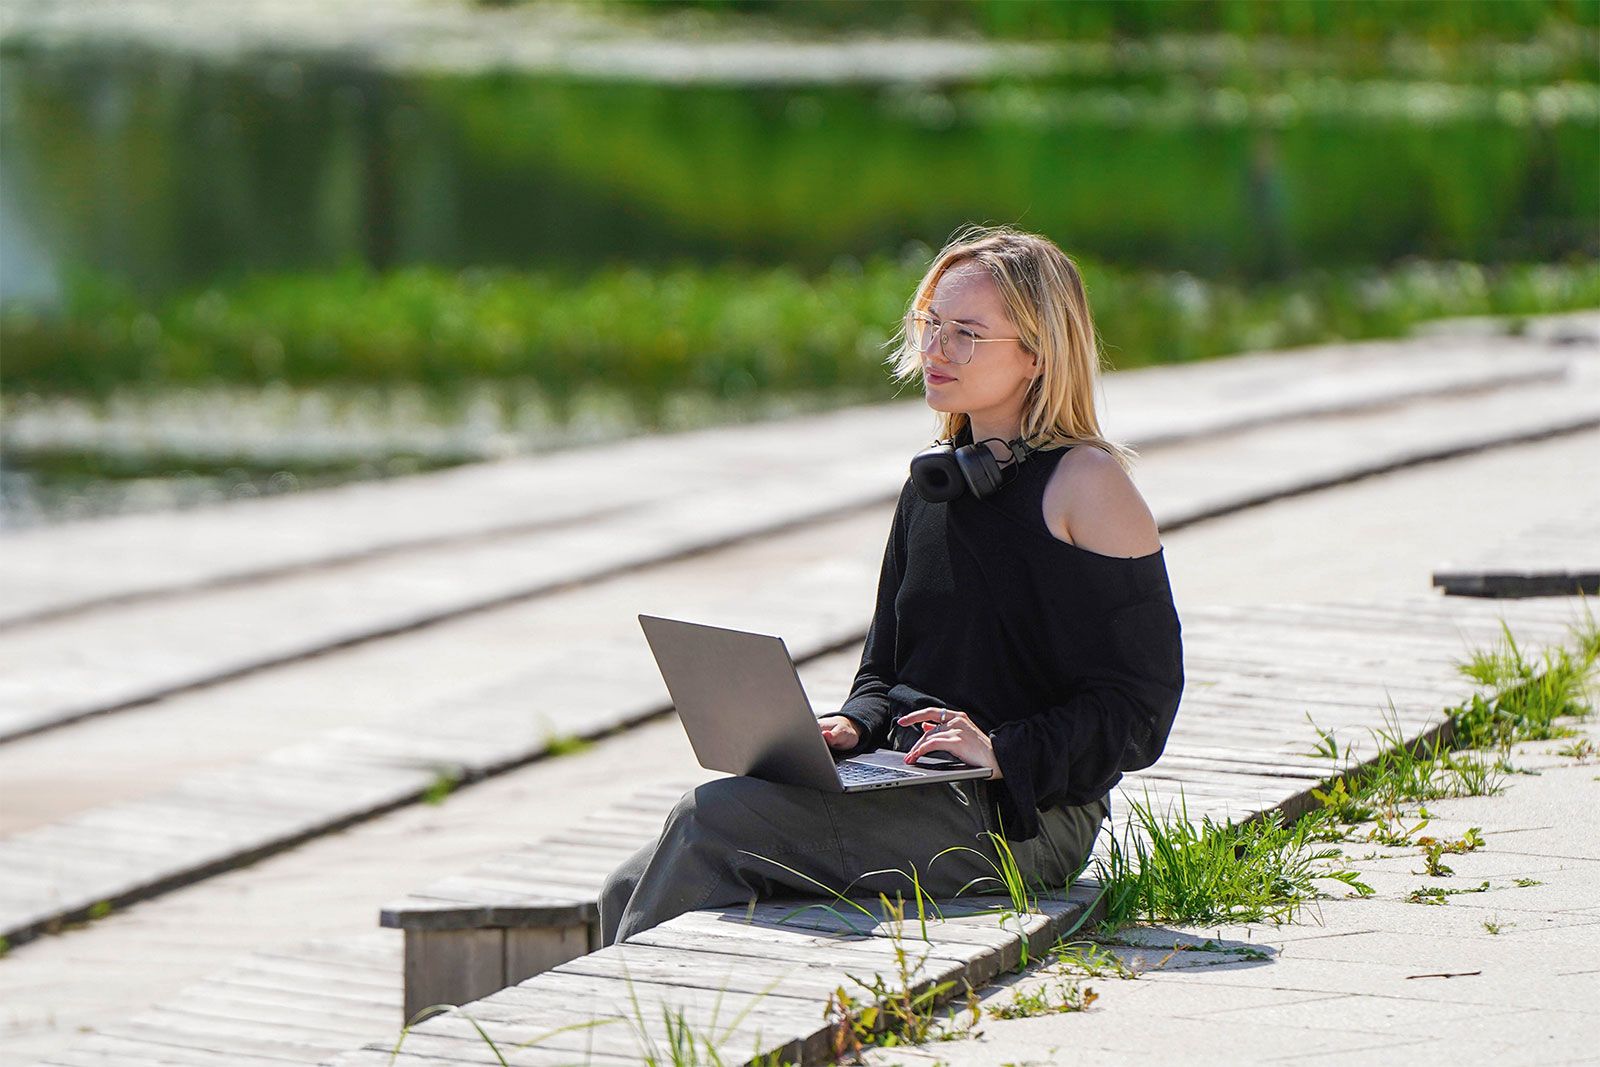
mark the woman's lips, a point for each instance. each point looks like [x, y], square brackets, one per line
[937, 378]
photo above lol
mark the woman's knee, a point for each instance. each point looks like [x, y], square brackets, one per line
[619, 885]
[617, 888]
[717, 803]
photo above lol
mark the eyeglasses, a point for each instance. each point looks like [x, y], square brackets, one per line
[955, 341]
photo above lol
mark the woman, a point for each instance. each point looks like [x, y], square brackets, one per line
[1028, 628]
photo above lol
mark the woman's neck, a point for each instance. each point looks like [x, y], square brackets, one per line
[1007, 430]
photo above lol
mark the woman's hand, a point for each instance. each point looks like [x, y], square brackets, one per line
[952, 732]
[839, 731]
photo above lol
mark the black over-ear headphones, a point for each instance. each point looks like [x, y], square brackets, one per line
[943, 472]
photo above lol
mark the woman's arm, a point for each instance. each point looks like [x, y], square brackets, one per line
[1120, 717]
[1076, 751]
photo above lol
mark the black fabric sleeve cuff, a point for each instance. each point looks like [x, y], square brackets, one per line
[873, 722]
[1015, 801]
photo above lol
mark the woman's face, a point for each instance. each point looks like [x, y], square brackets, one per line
[993, 381]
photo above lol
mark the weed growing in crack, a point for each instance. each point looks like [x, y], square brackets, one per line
[1433, 848]
[1583, 750]
[1090, 958]
[1437, 894]
[1064, 995]
[1522, 700]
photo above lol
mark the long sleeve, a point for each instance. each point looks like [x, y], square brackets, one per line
[869, 705]
[1118, 720]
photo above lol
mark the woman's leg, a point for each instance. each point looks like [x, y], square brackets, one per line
[1058, 854]
[619, 888]
[734, 839]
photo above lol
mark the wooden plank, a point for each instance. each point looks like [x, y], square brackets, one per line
[347, 997]
[295, 972]
[315, 1028]
[851, 959]
[1268, 644]
[570, 861]
[596, 852]
[620, 838]
[737, 1018]
[703, 931]
[531, 952]
[286, 1006]
[102, 1051]
[1512, 582]
[506, 893]
[790, 915]
[226, 1034]
[1403, 621]
[679, 968]
[451, 967]
[439, 1046]
[1286, 763]
[421, 913]
[206, 1044]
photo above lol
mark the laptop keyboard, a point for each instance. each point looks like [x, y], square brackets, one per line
[862, 773]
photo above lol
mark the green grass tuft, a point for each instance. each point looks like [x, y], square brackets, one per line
[1169, 869]
[444, 783]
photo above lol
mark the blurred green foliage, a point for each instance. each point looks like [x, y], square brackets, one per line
[1253, 181]
[1248, 162]
[724, 332]
[1096, 19]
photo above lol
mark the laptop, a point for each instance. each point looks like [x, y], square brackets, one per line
[741, 702]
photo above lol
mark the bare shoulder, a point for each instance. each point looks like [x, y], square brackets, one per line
[1091, 502]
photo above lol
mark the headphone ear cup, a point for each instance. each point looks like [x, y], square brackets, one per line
[980, 470]
[936, 473]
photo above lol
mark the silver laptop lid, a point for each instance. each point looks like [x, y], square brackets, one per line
[739, 697]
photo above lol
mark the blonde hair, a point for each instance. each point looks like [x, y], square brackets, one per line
[1045, 298]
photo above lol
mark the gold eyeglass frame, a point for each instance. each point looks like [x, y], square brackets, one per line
[938, 329]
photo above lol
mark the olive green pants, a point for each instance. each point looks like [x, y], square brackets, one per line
[735, 839]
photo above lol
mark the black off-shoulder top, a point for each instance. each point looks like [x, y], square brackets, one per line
[1071, 660]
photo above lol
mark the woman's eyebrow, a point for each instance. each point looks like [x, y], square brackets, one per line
[969, 322]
